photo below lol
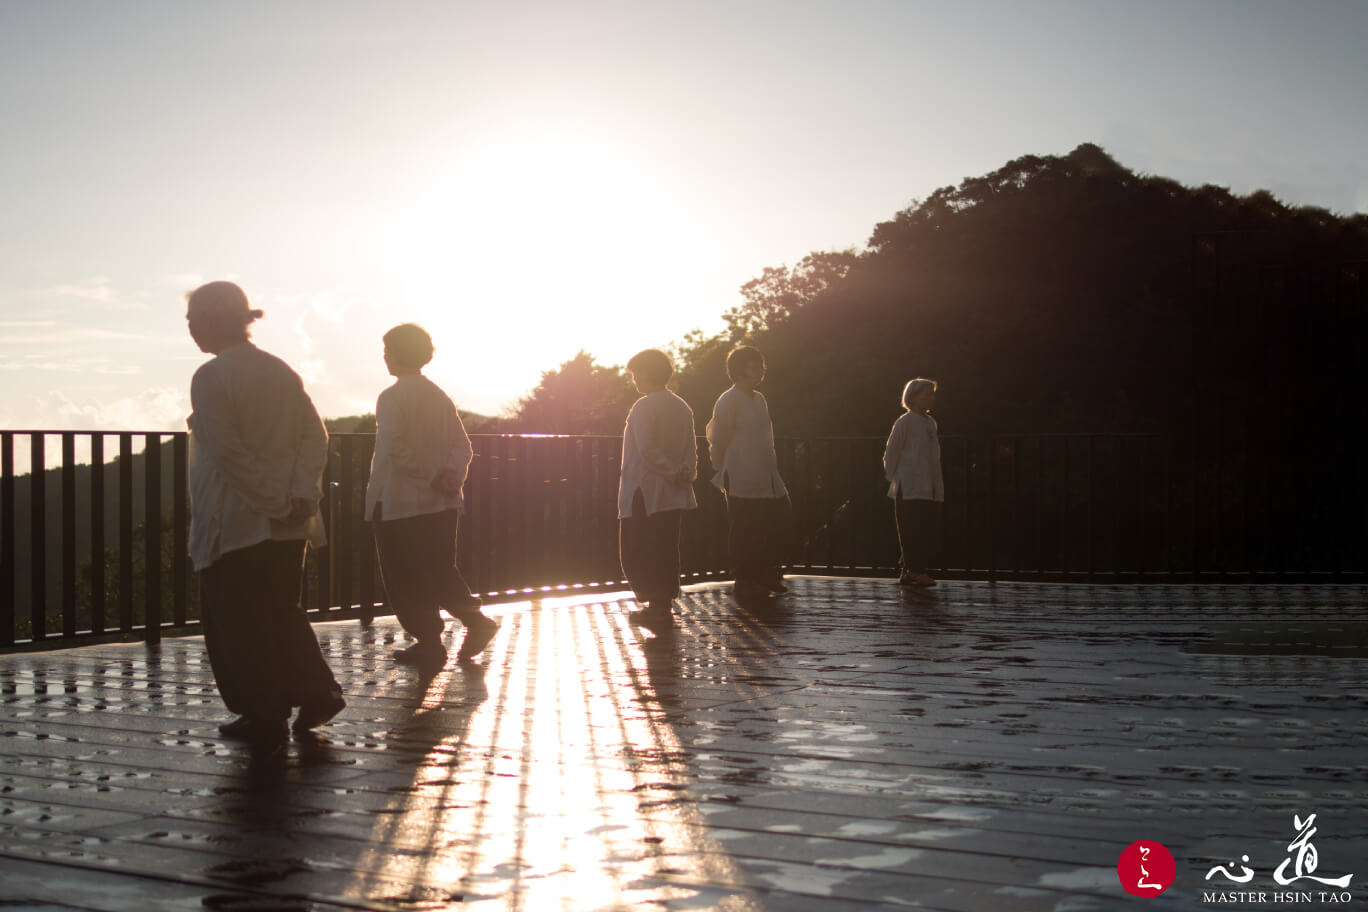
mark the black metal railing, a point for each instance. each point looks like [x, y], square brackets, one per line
[79, 558]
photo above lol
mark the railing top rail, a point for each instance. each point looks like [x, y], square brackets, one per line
[31, 431]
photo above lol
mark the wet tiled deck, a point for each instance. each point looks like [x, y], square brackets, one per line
[850, 746]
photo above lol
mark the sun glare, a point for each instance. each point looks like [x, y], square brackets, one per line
[536, 244]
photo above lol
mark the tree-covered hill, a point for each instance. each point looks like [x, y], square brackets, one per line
[1058, 293]
[1063, 294]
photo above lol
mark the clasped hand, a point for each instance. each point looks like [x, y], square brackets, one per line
[447, 482]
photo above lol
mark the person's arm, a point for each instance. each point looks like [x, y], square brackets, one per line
[720, 431]
[897, 440]
[217, 438]
[311, 457]
[690, 470]
[452, 477]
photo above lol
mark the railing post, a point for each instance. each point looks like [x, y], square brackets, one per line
[152, 555]
[7, 549]
[69, 534]
[989, 510]
[37, 537]
[180, 527]
[97, 533]
[126, 532]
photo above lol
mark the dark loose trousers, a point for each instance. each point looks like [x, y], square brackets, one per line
[757, 530]
[648, 547]
[262, 650]
[918, 532]
[418, 566]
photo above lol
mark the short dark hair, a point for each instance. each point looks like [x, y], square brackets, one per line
[409, 346]
[914, 389]
[652, 365]
[741, 358]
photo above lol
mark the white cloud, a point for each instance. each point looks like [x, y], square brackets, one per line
[154, 409]
[64, 334]
[186, 281]
[96, 288]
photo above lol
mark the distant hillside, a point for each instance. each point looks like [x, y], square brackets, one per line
[1064, 293]
[474, 422]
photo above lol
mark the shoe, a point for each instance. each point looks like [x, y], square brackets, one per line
[653, 615]
[776, 587]
[422, 654]
[916, 579]
[479, 631]
[252, 730]
[312, 715]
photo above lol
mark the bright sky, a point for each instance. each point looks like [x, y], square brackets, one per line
[528, 179]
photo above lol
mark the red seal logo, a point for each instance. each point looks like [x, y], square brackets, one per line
[1145, 868]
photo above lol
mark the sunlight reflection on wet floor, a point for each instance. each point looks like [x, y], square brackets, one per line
[534, 799]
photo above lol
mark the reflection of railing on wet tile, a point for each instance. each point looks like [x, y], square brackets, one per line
[541, 515]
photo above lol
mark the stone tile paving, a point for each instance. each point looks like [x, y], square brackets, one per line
[849, 746]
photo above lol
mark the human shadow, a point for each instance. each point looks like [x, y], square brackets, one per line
[341, 799]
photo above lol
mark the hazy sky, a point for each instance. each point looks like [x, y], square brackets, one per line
[527, 179]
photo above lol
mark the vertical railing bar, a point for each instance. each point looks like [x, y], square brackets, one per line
[478, 494]
[344, 550]
[502, 542]
[97, 533]
[587, 533]
[126, 532]
[1218, 506]
[7, 547]
[1012, 483]
[535, 508]
[599, 532]
[1196, 506]
[1066, 511]
[316, 579]
[967, 538]
[180, 524]
[1039, 538]
[1089, 494]
[38, 536]
[152, 610]
[1247, 473]
[365, 545]
[69, 534]
[990, 509]
[529, 481]
[846, 497]
[1142, 493]
[1170, 522]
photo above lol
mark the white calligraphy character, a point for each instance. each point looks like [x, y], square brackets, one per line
[1307, 857]
[1247, 876]
[1140, 883]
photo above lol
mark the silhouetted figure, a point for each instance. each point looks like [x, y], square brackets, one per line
[912, 465]
[741, 444]
[659, 464]
[422, 457]
[257, 452]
